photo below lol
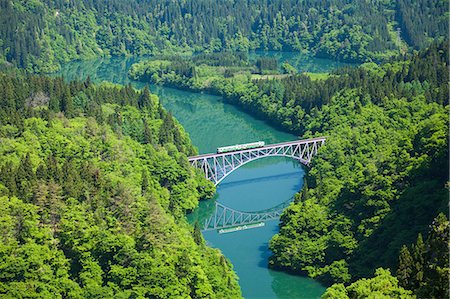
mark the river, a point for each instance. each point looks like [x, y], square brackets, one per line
[256, 186]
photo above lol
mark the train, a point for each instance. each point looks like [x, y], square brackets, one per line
[238, 147]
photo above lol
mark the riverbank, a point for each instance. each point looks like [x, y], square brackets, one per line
[374, 107]
[234, 76]
[210, 123]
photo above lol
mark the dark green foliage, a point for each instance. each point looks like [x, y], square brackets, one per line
[226, 59]
[426, 270]
[194, 72]
[32, 263]
[198, 238]
[144, 101]
[380, 167]
[40, 34]
[404, 270]
[266, 64]
[148, 135]
[424, 273]
[427, 16]
[144, 184]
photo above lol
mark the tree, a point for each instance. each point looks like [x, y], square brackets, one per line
[145, 100]
[288, 68]
[437, 259]
[144, 182]
[418, 252]
[382, 285]
[25, 177]
[148, 134]
[198, 238]
[67, 103]
[166, 131]
[404, 270]
[426, 271]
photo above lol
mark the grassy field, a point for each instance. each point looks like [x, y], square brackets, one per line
[317, 76]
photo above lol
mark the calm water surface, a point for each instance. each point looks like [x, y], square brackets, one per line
[256, 186]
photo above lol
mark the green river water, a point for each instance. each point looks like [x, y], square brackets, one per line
[256, 186]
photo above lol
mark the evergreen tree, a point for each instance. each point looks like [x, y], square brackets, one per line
[67, 103]
[144, 182]
[41, 172]
[418, 253]
[25, 177]
[54, 104]
[198, 238]
[437, 269]
[53, 169]
[304, 194]
[148, 135]
[166, 131]
[72, 185]
[404, 271]
[8, 177]
[144, 100]
[87, 82]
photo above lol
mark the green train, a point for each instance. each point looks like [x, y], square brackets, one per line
[239, 147]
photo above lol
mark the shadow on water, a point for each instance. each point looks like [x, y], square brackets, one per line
[264, 253]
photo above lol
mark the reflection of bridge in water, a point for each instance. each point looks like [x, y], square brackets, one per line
[224, 216]
[218, 166]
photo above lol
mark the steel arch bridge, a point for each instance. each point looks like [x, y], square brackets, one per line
[224, 216]
[218, 166]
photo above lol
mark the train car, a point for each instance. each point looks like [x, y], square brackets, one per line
[239, 147]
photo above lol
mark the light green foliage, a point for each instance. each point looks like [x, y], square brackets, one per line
[198, 72]
[102, 212]
[124, 230]
[288, 69]
[383, 286]
[32, 265]
[318, 76]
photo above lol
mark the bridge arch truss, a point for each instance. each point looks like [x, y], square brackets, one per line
[218, 166]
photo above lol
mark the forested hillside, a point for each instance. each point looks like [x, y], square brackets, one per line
[379, 181]
[381, 178]
[40, 34]
[94, 185]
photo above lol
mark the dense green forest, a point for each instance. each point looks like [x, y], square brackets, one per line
[203, 72]
[422, 271]
[94, 186]
[95, 181]
[40, 34]
[380, 180]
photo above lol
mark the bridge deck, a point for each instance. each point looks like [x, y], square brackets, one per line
[270, 146]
